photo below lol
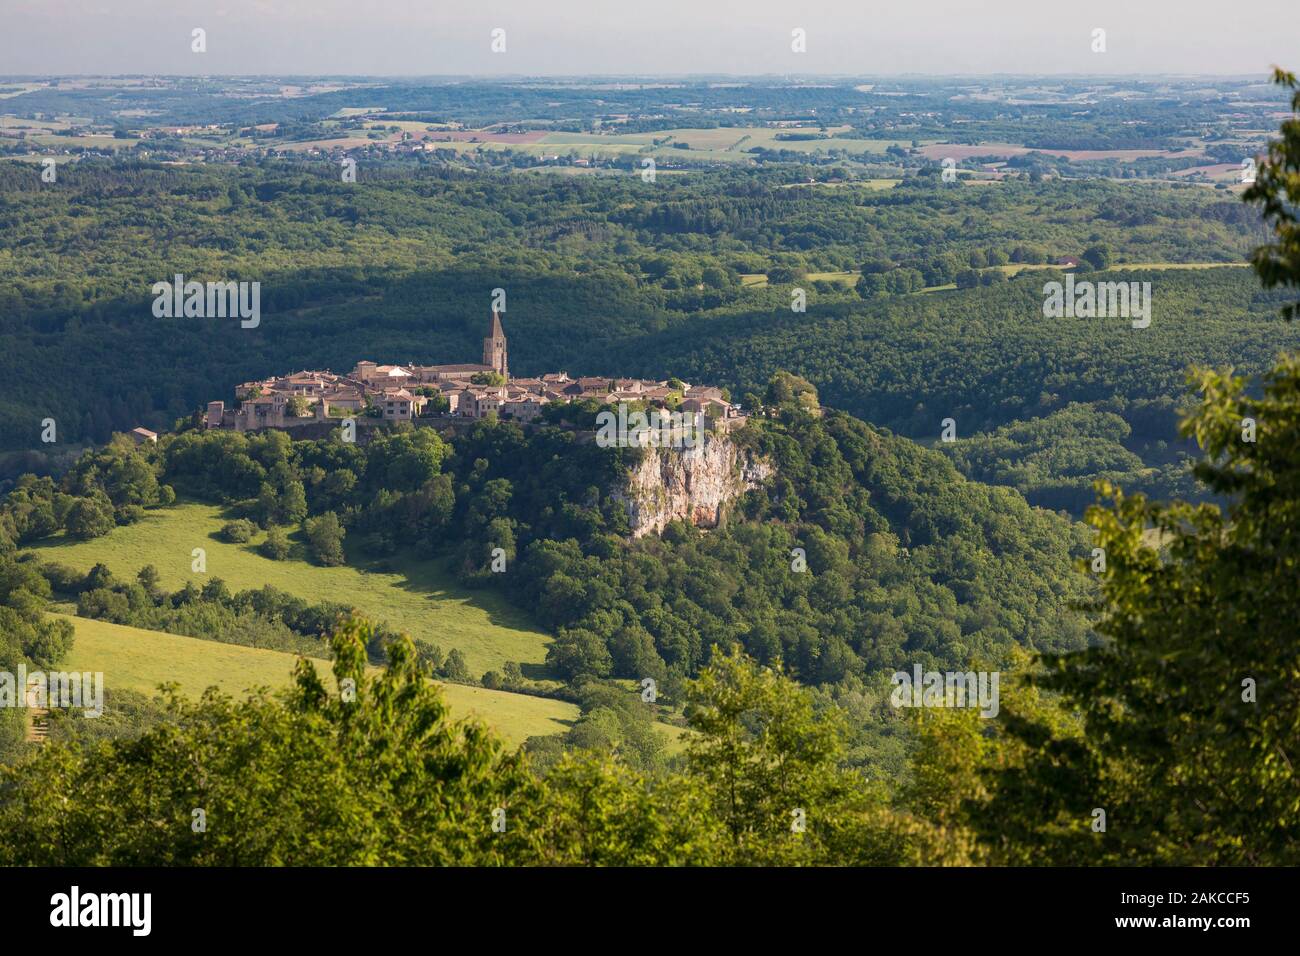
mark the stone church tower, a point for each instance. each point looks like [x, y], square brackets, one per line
[494, 347]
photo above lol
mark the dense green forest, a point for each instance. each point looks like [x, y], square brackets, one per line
[618, 276]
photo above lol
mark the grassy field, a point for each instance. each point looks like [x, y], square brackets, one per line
[94, 141]
[721, 144]
[767, 137]
[850, 278]
[139, 660]
[1179, 265]
[48, 125]
[418, 597]
[38, 159]
[871, 185]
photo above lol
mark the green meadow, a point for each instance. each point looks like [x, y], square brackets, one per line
[140, 660]
[418, 597]
[727, 144]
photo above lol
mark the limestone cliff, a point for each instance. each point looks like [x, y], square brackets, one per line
[694, 484]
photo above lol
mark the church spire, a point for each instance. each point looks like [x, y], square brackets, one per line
[494, 347]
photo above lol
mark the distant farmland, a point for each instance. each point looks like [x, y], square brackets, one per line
[1006, 150]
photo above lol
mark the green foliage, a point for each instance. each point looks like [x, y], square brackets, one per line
[378, 774]
[265, 617]
[1277, 190]
[905, 559]
[276, 545]
[1180, 720]
[90, 518]
[1055, 460]
[325, 535]
[455, 668]
[27, 637]
[596, 812]
[841, 491]
[238, 531]
[1181, 724]
[305, 777]
[767, 763]
[615, 721]
[104, 488]
[987, 358]
[784, 389]
[1098, 256]
[575, 248]
[149, 580]
[1189, 709]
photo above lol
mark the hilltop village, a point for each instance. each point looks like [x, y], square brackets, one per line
[410, 393]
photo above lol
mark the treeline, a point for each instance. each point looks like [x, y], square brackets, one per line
[28, 638]
[266, 617]
[263, 617]
[358, 761]
[106, 487]
[1055, 461]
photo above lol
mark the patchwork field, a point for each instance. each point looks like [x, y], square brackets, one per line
[1007, 150]
[139, 660]
[92, 141]
[728, 144]
[769, 137]
[47, 125]
[418, 597]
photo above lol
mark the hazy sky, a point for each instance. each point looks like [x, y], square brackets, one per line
[567, 37]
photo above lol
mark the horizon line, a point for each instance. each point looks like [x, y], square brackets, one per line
[1267, 74]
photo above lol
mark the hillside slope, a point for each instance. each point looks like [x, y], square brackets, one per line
[139, 660]
[413, 596]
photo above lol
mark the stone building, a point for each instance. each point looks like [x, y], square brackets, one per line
[402, 393]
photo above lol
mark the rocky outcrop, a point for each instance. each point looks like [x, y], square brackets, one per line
[695, 484]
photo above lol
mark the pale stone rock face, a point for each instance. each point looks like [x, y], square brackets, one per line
[694, 484]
